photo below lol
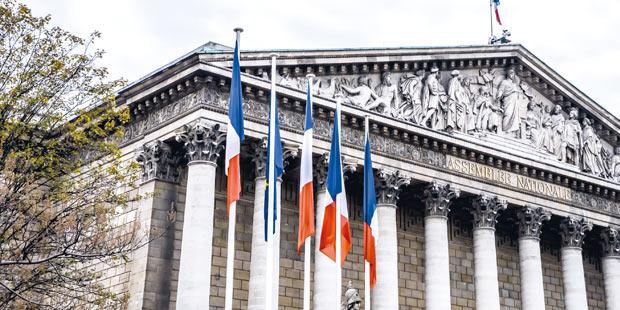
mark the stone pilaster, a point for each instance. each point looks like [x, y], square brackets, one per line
[437, 199]
[486, 211]
[610, 241]
[573, 231]
[389, 183]
[530, 265]
[203, 142]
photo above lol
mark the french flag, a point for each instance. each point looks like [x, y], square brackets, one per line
[306, 190]
[337, 200]
[495, 7]
[234, 134]
[370, 222]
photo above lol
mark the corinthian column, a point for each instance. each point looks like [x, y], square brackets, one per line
[203, 142]
[385, 293]
[530, 265]
[486, 210]
[611, 267]
[437, 199]
[573, 230]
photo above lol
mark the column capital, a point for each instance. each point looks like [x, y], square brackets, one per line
[257, 152]
[320, 169]
[389, 183]
[438, 197]
[486, 210]
[202, 140]
[610, 240]
[531, 220]
[573, 230]
[158, 162]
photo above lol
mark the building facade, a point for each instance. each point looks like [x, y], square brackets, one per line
[497, 180]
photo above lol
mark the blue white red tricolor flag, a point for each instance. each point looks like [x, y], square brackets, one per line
[306, 191]
[234, 134]
[371, 228]
[495, 7]
[274, 147]
[336, 196]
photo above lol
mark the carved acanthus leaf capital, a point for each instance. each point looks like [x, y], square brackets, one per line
[320, 170]
[531, 220]
[573, 230]
[257, 151]
[389, 185]
[611, 241]
[289, 153]
[158, 162]
[486, 210]
[202, 140]
[438, 197]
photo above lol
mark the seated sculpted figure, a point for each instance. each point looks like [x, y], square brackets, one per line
[364, 97]
[614, 165]
[488, 118]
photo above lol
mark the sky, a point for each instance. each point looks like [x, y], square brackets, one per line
[575, 38]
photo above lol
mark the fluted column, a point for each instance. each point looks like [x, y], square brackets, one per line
[486, 210]
[530, 265]
[437, 199]
[611, 266]
[385, 293]
[573, 231]
[203, 142]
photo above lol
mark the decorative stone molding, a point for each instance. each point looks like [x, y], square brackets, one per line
[202, 140]
[573, 230]
[320, 171]
[257, 151]
[158, 162]
[610, 241]
[389, 185]
[438, 197]
[289, 152]
[531, 220]
[486, 210]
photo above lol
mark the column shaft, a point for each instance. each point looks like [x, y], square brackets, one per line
[325, 271]
[385, 293]
[437, 263]
[611, 272]
[574, 279]
[532, 289]
[485, 269]
[194, 285]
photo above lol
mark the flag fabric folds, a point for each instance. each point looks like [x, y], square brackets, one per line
[306, 190]
[495, 7]
[370, 221]
[336, 196]
[273, 141]
[234, 134]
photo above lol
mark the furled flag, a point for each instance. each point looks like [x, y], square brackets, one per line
[273, 141]
[306, 191]
[336, 196]
[495, 7]
[370, 220]
[234, 134]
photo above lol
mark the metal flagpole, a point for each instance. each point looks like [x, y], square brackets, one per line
[307, 247]
[338, 220]
[491, 17]
[271, 185]
[232, 220]
[366, 263]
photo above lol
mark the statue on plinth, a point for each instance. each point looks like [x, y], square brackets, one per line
[352, 300]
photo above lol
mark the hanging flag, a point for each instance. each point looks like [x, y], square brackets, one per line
[495, 6]
[234, 134]
[370, 221]
[273, 141]
[306, 191]
[336, 196]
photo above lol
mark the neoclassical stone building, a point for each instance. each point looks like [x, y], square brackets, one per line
[497, 179]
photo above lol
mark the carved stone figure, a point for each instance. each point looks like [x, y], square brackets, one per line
[508, 94]
[458, 101]
[433, 100]
[546, 131]
[533, 125]
[411, 89]
[364, 97]
[352, 300]
[592, 150]
[328, 91]
[557, 121]
[471, 113]
[485, 77]
[614, 165]
[489, 112]
[572, 140]
[288, 80]
[388, 95]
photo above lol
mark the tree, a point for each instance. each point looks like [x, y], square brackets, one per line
[62, 181]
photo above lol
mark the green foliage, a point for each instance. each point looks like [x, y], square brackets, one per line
[62, 180]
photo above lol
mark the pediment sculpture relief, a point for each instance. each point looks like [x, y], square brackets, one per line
[485, 103]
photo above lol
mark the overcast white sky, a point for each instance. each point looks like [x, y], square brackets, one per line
[577, 38]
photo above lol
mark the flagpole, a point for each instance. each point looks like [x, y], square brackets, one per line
[308, 241]
[338, 219]
[491, 17]
[232, 220]
[366, 263]
[271, 187]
